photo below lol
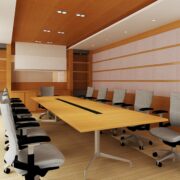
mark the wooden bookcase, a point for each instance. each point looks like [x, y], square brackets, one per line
[79, 71]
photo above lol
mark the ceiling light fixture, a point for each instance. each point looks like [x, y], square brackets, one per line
[153, 20]
[47, 30]
[62, 12]
[60, 32]
[80, 15]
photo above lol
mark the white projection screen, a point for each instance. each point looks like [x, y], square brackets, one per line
[33, 56]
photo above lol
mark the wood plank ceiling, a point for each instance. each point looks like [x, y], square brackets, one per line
[33, 16]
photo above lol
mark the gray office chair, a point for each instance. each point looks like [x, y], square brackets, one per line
[118, 97]
[46, 91]
[35, 159]
[143, 101]
[168, 136]
[101, 96]
[118, 100]
[89, 93]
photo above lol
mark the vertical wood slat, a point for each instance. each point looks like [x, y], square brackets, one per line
[8, 67]
[70, 70]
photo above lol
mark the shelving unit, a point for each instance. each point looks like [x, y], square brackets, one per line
[79, 63]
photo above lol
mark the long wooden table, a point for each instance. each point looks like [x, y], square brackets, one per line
[86, 115]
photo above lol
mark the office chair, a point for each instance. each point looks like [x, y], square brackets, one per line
[169, 136]
[143, 100]
[89, 93]
[101, 96]
[35, 158]
[118, 100]
[118, 97]
[46, 91]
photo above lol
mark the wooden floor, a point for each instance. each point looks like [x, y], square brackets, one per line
[78, 149]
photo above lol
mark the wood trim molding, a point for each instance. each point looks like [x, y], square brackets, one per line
[146, 34]
[147, 81]
[137, 53]
[139, 67]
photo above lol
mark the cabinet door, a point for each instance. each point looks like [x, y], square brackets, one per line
[30, 104]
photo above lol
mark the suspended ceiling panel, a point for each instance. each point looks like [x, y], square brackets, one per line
[155, 15]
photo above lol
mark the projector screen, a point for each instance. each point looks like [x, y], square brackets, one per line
[33, 56]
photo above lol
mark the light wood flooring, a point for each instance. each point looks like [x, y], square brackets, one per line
[78, 149]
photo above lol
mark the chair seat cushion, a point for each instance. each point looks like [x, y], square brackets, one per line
[165, 134]
[36, 132]
[46, 156]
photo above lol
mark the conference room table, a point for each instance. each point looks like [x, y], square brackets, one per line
[87, 115]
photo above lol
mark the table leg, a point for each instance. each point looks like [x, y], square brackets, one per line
[98, 153]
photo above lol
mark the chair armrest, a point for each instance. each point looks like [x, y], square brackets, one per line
[27, 125]
[24, 140]
[103, 100]
[119, 103]
[146, 109]
[89, 97]
[159, 112]
[127, 105]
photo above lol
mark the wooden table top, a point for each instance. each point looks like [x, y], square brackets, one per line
[86, 121]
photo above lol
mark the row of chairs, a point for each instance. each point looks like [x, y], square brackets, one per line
[143, 102]
[27, 146]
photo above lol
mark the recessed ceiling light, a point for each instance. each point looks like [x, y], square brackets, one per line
[47, 30]
[153, 20]
[80, 15]
[62, 12]
[49, 42]
[60, 32]
[37, 41]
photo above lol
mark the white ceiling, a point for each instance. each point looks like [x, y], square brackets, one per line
[7, 13]
[164, 11]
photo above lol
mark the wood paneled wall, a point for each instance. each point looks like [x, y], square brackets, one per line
[60, 87]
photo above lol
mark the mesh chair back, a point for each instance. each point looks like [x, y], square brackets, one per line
[89, 92]
[47, 91]
[175, 109]
[143, 99]
[10, 130]
[118, 96]
[102, 93]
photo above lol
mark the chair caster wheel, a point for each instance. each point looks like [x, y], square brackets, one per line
[159, 164]
[122, 138]
[141, 147]
[155, 154]
[150, 143]
[124, 131]
[7, 170]
[122, 144]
